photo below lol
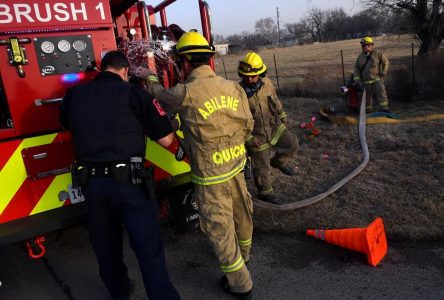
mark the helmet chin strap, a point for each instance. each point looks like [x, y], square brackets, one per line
[253, 88]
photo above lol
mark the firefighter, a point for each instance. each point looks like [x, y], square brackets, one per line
[216, 123]
[269, 126]
[108, 119]
[370, 70]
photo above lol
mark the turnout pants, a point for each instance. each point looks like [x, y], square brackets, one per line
[109, 205]
[376, 90]
[285, 149]
[225, 212]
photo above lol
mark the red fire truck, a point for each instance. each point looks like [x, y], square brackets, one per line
[47, 46]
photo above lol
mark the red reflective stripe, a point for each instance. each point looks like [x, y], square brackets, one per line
[159, 173]
[6, 151]
[159, 108]
[26, 198]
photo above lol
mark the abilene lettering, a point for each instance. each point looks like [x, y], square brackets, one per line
[216, 103]
[219, 157]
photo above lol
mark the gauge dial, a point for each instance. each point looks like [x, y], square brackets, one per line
[64, 46]
[79, 45]
[47, 47]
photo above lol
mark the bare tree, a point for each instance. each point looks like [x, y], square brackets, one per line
[314, 23]
[219, 39]
[267, 28]
[296, 31]
[427, 17]
[334, 24]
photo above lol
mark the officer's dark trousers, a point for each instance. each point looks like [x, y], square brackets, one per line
[111, 204]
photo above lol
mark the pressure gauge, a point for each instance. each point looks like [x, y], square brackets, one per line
[64, 46]
[79, 45]
[47, 47]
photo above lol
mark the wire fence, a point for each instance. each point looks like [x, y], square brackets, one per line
[320, 69]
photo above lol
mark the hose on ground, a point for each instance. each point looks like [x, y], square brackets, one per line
[336, 186]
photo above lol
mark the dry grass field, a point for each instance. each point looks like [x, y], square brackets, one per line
[316, 70]
[404, 181]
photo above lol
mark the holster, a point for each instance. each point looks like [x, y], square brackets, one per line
[120, 171]
[79, 174]
[149, 182]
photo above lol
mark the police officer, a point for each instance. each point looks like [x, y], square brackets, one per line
[269, 126]
[371, 68]
[108, 118]
[216, 123]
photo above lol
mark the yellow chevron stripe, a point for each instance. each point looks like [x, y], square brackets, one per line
[50, 199]
[164, 159]
[13, 173]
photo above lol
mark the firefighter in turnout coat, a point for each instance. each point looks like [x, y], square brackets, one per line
[216, 122]
[269, 126]
[370, 70]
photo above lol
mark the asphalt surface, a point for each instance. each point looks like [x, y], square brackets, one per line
[288, 266]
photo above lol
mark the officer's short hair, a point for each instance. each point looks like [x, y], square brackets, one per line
[114, 59]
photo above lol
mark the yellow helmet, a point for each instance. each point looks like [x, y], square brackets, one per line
[251, 65]
[366, 41]
[193, 42]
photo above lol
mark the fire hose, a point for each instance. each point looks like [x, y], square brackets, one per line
[336, 186]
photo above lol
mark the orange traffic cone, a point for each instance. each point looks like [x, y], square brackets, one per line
[370, 241]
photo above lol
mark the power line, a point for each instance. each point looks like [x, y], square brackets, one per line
[279, 29]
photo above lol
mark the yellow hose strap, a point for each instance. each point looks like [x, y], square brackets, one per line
[371, 81]
[249, 138]
[278, 134]
[282, 115]
[219, 178]
[233, 267]
[349, 120]
[266, 192]
[245, 242]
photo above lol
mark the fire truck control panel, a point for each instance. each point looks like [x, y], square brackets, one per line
[65, 55]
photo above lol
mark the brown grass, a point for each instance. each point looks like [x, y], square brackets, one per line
[403, 182]
[316, 70]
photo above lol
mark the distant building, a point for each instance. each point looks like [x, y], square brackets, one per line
[222, 49]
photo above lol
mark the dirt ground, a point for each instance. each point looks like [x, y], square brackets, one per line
[403, 182]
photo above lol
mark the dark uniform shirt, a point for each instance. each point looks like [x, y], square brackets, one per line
[109, 118]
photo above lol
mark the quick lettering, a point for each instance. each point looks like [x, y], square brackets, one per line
[226, 155]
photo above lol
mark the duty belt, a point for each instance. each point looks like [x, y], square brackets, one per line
[99, 171]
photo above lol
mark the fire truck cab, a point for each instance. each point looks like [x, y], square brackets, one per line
[45, 48]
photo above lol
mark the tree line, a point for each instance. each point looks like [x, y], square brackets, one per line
[425, 18]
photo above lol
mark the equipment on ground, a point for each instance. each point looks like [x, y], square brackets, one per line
[351, 91]
[45, 48]
[370, 240]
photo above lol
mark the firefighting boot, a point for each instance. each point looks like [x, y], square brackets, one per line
[242, 296]
[270, 198]
[287, 170]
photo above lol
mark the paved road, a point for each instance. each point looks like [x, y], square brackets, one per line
[283, 267]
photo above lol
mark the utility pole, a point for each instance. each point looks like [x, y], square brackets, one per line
[279, 29]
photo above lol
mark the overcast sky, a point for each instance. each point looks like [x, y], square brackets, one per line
[235, 16]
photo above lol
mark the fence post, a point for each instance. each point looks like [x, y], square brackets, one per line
[276, 69]
[343, 71]
[225, 70]
[413, 63]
